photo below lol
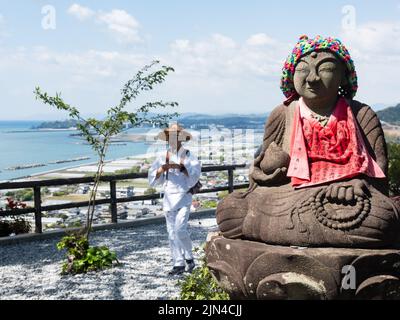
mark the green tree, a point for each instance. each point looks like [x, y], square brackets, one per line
[222, 195]
[150, 191]
[98, 133]
[394, 168]
[21, 195]
[209, 204]
[134, 169]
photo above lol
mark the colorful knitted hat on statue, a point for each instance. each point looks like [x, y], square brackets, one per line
[306, 46]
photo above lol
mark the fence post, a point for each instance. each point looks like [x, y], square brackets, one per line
[230, 180]
[38, 209]
[113, 195]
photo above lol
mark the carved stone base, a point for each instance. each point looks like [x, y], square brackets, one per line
[253, 270]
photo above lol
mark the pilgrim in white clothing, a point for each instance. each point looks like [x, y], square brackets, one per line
[177, 170]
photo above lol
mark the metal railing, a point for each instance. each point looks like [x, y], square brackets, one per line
[37, 208]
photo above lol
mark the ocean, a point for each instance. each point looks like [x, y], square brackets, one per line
[22, 146]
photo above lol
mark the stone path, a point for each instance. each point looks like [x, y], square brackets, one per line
[31, 270]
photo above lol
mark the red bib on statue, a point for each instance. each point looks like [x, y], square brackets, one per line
[331, 152]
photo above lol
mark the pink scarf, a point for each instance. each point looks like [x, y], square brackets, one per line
[323, 154]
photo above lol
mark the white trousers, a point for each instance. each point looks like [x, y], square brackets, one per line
[178, 235]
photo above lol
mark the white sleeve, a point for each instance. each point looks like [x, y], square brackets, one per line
[153, 173]
[193, 168]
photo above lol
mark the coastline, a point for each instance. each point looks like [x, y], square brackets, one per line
[35, 175]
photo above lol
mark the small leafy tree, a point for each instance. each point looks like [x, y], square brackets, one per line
[98, 133]
[150, 191]
[394, 168]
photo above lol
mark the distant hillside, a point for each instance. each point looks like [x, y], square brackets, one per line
[193, 120]
[231, 121]
[66, 124]
[390, 115]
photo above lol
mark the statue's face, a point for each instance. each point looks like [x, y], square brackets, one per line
[318, 76]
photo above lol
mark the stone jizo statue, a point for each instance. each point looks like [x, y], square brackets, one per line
[321, 176]
[319, 181]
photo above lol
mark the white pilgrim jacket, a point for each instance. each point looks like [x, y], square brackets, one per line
[176, 188]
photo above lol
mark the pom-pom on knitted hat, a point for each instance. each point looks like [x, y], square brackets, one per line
[305, 46]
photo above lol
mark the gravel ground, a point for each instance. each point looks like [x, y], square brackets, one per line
[31, 271]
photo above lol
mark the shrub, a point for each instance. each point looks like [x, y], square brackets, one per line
[14, 226]
[5, 230]
[18, 225]
[222, 194]
[209, 204]
[60, 193]
[200, 284]
[21, 195]
[394, 168]
[82, 258]
[150, 191]
[135, 169]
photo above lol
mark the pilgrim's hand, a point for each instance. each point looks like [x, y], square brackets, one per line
[162, 169]
[174, 166]
[347, 191]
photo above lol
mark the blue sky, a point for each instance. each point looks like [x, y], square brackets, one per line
[227, 54]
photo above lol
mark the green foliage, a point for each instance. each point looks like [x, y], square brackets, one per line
[66, 124]
[82, 258]
[134, 169]
[21, 195]
[4, 229]
[200, 284]
[394, 168]
[62, 216]
[60, 193]
[76, 224]
[209, 204]
[20, 226]
[27, 196]
[222, 194]
[150, 191]
[17, 225]
[148, 161]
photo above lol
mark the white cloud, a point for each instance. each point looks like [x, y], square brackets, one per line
[4, 33]
[216, 74]
[260, 39]
[90, 65]
[220, 56]
[375, 49]
[375, 40]
[2, 23]
[223, 41]
[123, 26]
[80, 12]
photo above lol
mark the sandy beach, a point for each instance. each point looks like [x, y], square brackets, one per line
[80, 171]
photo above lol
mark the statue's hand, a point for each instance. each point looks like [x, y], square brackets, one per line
[347, 190]
[261, 178]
